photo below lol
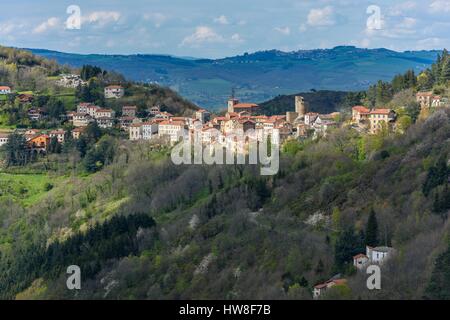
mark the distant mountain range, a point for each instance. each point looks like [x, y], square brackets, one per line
[258, 76]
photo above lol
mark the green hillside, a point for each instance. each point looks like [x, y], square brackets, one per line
[225, 232]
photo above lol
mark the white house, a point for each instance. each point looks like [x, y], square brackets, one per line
[105, 122]
[129, 111]
[5, 90]
[135, 131]
[360, 261]
[115, 92]
[104, 113]
[4, 137]
[92, 110]
[203, 115]
[379, 255]
[310, 118]
[70, 81]
[172, 129]
[321, 288]
[59, 134]
[82, 107]
[153, 111]
[149, 129]
[81, 119]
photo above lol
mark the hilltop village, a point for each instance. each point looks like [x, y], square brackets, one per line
[238, 119]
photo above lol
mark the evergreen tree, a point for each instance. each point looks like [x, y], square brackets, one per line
[445, 72]
[439, 286]
[16, 150]
[372, 230]
[347, 245]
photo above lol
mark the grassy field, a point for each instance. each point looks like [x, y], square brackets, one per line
[26, 189]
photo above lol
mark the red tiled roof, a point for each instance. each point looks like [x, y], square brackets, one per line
[320, 285]
[339, 281]
[60, 131]
[245, 105]
[380, 111]
[360, 255]
[361, 109]
[424, 94]
[5, 88]
[175, 123]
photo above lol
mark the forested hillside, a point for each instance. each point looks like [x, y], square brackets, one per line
[226, 232]
[27, 73]
[316, 101]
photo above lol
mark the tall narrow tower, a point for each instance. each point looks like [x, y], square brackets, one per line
[232, 101]
[300, 105]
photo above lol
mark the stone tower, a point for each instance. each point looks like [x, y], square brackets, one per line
[232, 101]
[300, 107]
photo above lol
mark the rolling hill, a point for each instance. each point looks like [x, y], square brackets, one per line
[258, 76]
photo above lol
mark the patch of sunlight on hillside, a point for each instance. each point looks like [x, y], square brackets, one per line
[27, 189]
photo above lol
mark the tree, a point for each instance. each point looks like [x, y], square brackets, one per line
[436, 176]
[439, 286]
[425, 80]
[404, 122]
[445, 72]
[55, 108]
[16, 150]
[347, 245]
[372, 230]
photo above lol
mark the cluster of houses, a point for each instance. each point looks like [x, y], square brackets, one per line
[37, 140]
[373, 255]
[427, 99]
[70, 81]
[240, 120]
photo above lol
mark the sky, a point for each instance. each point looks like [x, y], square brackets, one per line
[215, 29]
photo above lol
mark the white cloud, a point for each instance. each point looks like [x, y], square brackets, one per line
[237, 38]
[440, 6]
[201, 35]
[50, 23]
[221, 20]
[102, 18]
[7, 28]
[429, 44]
[407, 23]
[321, 17]
[400, 8]
[283, 30]
[157, 18]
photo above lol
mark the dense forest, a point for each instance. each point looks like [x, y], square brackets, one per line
[141, 227]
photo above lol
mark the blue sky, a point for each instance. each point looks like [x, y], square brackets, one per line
[210, 28]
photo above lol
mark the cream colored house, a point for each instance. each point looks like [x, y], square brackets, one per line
[378, 118]
[114, 92]
[173, 129]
